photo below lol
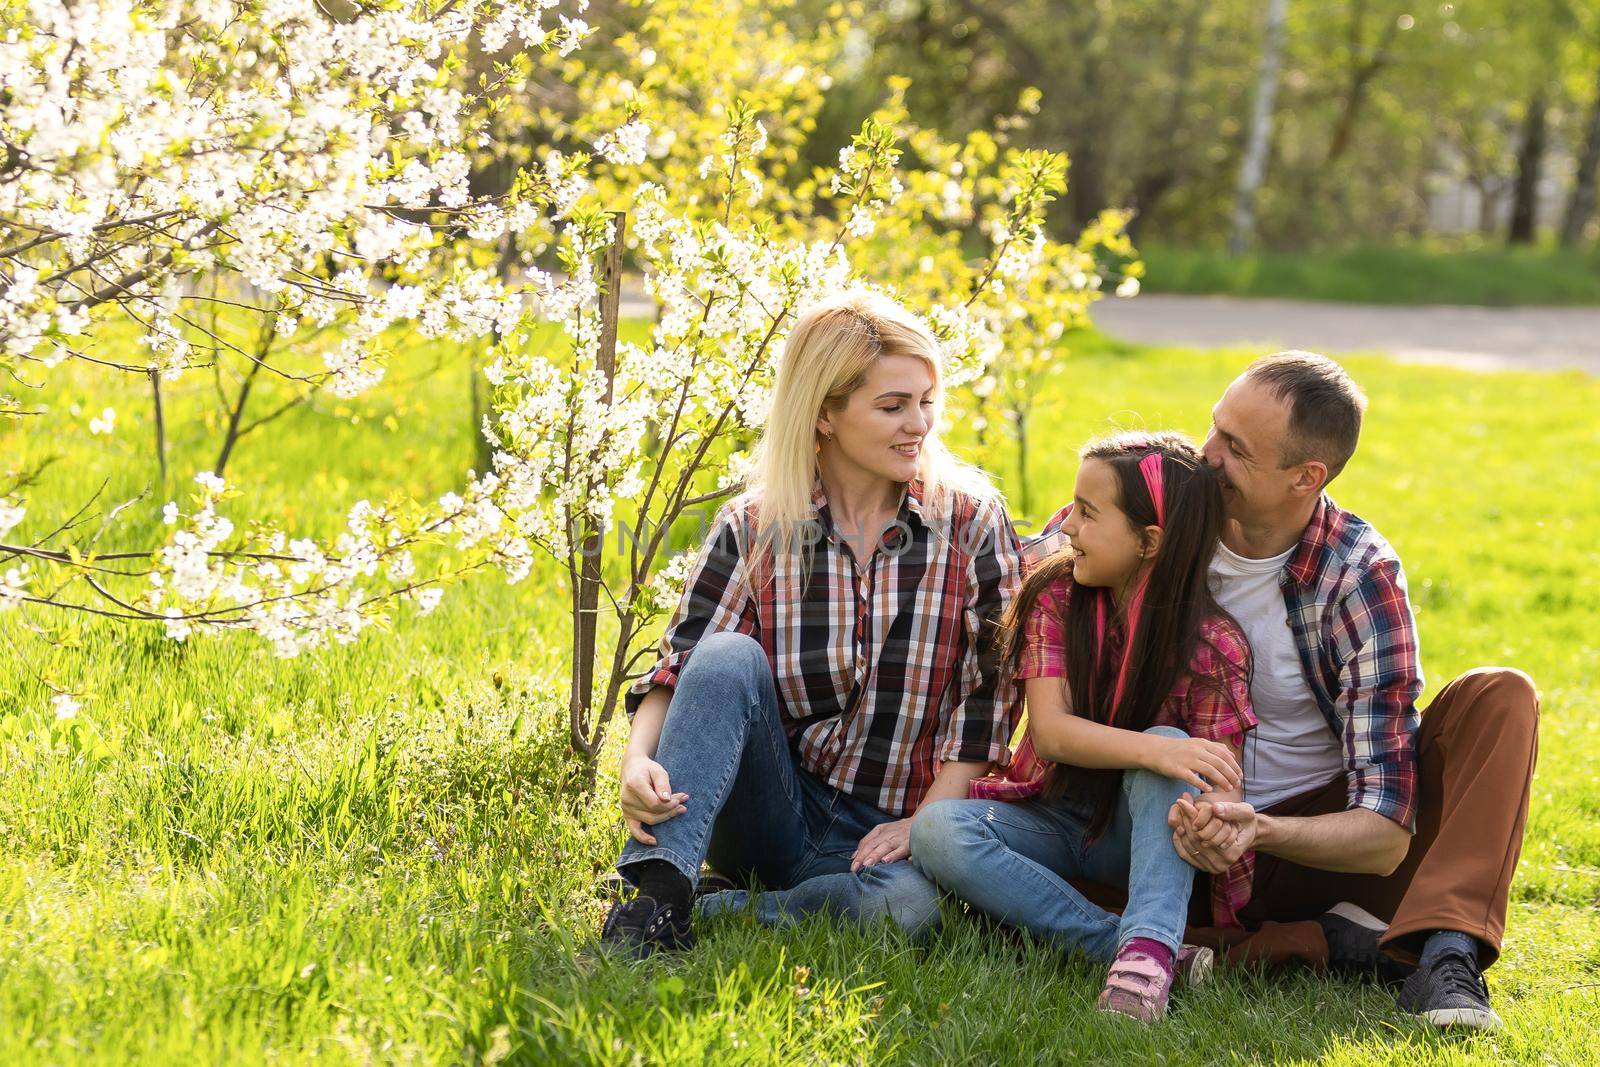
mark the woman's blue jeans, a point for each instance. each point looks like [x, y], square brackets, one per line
[1011, 861]
[753, 813]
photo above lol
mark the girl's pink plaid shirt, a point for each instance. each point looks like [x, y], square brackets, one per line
[1211, 700]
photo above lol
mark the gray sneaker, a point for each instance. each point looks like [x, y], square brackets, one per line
[1451, 993]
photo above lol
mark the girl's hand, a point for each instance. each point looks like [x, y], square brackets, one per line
[1206, 765]
[884, 843]
[647, 797]
[1198, 837]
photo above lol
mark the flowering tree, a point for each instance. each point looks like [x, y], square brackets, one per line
[303, 171]
[593, 439]
[308, 173]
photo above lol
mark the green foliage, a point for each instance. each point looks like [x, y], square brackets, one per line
[1379, 102]
[365, 853]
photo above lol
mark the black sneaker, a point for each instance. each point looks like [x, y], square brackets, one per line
[1353, 934]
[1450, 993]
[639, 927]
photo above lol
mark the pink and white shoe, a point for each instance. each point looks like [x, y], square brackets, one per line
[1138, 986]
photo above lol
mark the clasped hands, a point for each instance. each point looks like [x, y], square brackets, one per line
[1212, 835]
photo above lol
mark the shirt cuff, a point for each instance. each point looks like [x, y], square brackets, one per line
[1386, 795]
[663, 676]
[957, 751]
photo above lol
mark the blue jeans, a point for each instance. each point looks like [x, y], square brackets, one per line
[1012, 862]
[753, 813]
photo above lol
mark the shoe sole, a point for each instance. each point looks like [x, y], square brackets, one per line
[1135, 1015]
[1464, 1018]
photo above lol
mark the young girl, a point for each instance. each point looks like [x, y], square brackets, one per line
[1138, 693]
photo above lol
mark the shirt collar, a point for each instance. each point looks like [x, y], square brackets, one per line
[1316, 542]
[911, 503]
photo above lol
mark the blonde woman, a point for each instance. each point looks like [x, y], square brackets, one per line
[830, 668]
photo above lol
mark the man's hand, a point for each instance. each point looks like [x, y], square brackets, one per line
[1212, 836]
[647, 797]
[884, 843]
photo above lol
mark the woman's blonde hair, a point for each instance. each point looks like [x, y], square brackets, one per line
[825, 359]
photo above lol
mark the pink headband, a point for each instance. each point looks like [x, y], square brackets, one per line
[1151, 468]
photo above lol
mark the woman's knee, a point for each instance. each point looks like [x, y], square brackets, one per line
[724, 658]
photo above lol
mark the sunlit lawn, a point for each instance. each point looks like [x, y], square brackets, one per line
[363, 854]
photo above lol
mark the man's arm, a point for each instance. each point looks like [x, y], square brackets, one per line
[1359, 841]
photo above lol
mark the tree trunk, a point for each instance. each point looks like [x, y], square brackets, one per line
[1581, 206]
[161, 427]
[1259, 145]
[1530, 164]
[1362, 71]
[587, 735]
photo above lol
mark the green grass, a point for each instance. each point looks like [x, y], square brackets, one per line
[364, 854]
[1495, 276]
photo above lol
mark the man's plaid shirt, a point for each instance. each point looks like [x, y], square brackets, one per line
[881, 673]
[1346, 595]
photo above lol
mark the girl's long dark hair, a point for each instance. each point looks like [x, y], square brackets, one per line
[1177, 601]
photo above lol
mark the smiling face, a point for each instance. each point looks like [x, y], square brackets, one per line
[1246, 445]
[1110, 549]
[883, 424]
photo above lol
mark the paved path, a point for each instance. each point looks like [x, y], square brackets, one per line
[1473, 337]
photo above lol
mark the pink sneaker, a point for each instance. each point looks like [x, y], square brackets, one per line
[1138, 985]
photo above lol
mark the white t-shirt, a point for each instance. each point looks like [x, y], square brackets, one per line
[1292, 749]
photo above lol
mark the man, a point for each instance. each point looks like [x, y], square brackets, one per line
[1382, 842]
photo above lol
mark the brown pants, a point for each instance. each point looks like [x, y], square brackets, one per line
[1475, 752]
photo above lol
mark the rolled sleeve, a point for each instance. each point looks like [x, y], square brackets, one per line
[1380, 681]
[716, 598]
[1044, 638]
[1217, 697]
[988, 702]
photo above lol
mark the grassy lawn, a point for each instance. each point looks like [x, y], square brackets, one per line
[1494, 276]
[363, 854]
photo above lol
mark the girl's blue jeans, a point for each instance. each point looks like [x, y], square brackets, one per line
[1011, 861]
[753, 813]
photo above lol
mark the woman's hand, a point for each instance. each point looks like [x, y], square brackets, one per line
[647, 796]
[884, 843]
[1206, 765]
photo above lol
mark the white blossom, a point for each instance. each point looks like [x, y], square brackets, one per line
[627, 145]
[11, 513]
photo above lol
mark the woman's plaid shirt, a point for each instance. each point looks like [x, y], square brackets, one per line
[883, 671]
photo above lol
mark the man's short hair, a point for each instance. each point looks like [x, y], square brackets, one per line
[1325, 406]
